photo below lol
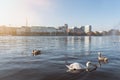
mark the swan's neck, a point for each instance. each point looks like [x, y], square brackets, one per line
[87, 64]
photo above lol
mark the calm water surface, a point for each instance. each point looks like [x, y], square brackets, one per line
[17, 62]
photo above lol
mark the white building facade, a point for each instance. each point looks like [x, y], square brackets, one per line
[42, 29]
[20, 30]
[88, 28]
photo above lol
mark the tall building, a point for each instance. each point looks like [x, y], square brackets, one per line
[64, 28]
[66, 25]
[67, 29]
[88, 28]
[82, 28]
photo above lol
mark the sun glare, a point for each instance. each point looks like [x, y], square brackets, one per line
[14, 12]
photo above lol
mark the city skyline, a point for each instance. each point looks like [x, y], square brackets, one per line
[102, 14]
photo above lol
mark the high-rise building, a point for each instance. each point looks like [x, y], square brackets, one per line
[88, 28]
[66, 25]
[64, 28]
[67, 29]
[82, 28]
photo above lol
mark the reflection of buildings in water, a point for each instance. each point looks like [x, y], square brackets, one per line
[115, 41]
[75, 44]
[68, 42]
[25, 45]
[87, 40]
[78, 43]
[87, 45]
[63, 42]
[82, 39]
[81, 43]
[72, 40]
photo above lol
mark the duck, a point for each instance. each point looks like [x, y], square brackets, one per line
[36, 52]
[102, 58]
[77, 66]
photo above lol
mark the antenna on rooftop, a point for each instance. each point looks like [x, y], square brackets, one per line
[26, 22]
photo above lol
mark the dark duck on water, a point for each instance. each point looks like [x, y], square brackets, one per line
[36, 52]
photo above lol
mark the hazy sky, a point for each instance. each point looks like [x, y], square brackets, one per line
[101, 14]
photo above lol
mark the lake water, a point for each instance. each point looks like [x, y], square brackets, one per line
[17, 62]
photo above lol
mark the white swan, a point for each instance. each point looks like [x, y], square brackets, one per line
[102, 58]
[90, 66]
[77, 66]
